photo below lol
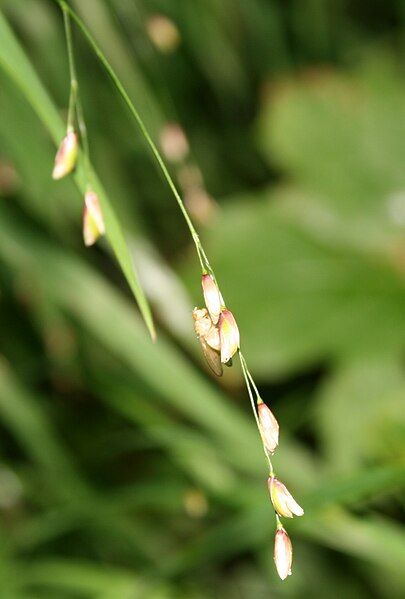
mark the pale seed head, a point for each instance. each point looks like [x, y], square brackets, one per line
[66, 156]
[282, 500]
[93, 222]
[283, 553]
[268, 427]
[212, 297]
[229, 335]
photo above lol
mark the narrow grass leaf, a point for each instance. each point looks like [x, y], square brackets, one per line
[17, 65]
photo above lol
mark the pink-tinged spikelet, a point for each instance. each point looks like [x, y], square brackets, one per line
[66, 156]
[93, 222]
[283, 553]
[282, 500]
[212, 297]
[268, 427]
[229, 335]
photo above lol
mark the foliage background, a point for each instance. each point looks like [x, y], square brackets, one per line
[125, 470]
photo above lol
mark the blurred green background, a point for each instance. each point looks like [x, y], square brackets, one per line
[126, 470]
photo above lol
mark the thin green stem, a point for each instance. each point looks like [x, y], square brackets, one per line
[200, 256]
[253, 404]
[204, 262]
[75, 104]
[244, 370]
[72, 70]
[252, 380]
[83, 135]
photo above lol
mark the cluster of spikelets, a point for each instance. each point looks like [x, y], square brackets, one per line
[216, 327]
[65, 163]
[218, 334]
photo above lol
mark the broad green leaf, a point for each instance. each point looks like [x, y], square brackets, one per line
[16, 64]
[341, 138]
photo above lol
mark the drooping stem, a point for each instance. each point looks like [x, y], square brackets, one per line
[74, 102]
[202, 256]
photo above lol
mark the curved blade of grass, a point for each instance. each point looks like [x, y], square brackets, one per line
[17, 66]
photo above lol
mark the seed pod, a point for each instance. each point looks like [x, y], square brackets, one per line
[212, 297]
[268, 427]
[66, 156]
[93, 222]
[229, 335]
[282, 500]
[283, 553]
